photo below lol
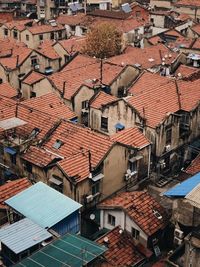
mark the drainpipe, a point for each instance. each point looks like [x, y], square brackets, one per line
[149, 163]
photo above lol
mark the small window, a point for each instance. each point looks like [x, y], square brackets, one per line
[104, 124]
[111, 219]
[41, 37]
[133, 166]
[60, 34]
[15, 34]
[33, 94]
[95, 188]
[56, 183]
[13, 159]
[52, 35]
[85, 104]
[138, 14]
[27, 37]
[6, 32]
[135, 233]
[34, 60]
[58, 144]
[29, 167]
[168, 136]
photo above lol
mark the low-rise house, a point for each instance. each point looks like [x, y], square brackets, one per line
[139, 214]
[8, 190]
[93, 75]
[47, 208]
[121, 249]
[170, 127]
[51, 104]
[34, 36]
[157, 58]
[76, 251]
[188, 7]
[81, 163]
[35, 84]
[21, 239]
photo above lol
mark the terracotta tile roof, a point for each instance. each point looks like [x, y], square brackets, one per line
[38, 156]
[12, 188]
[33, 118]
[140, 207]
[76, 166]
[147, 57]
[194, 3]
[80, 61]
[196, 28]
[75, 138]
[84, 72]
[73, 45]
[33, 77]
[47, 49]
[71, 20]
[109, 14]
[196, 44]
[7, 90]
[101, 99]
[18, 24]
[131, 137]
[194, 166]
[7, 45]
[186, 71]
[121, 249]
[18, 54]
[38, 29]
[154, 96]
[50, 104]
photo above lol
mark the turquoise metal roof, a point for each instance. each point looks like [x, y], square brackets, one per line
[43, 205]
[182, 189]
[23, 235]
[69, 251]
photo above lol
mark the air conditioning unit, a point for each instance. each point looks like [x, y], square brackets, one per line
[167, 147]
[178, 241]
[89, 198]
[36, 67]
[133, 173]
[178, 233]
[162, 164]
[127, 177]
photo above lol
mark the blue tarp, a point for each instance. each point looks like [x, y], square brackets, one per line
[184, 188]
[10, 150]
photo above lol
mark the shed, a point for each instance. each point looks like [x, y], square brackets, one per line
[48, 208]
[70, 250]
[21, 239]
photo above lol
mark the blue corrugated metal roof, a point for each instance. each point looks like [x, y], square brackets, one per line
[23, 235]
[70, 250]
[43, 205]
[182, 189]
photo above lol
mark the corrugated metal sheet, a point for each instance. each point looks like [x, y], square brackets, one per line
[23, 235]
[194, 196]
[43, 205]
[184, 188]
[70, 250]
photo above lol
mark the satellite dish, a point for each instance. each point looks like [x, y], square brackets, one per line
[92, 216]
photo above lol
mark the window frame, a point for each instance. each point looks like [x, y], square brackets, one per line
[104, 123]
[135, 233]
[111, 219]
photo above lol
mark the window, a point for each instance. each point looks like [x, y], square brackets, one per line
[133, 166]
[59, 34]
[15, 34]
[138, 14]
[168, 136]
[57, 144]
[41, 37]
[29, 167]
[52, 35]
[33, 94]
[135, 233]
[56, 183]
[27, 37]
[6, 32]
[85, 104]
[111, 219]
[34, 60]
[95, 188]
[13, 159]
[104, 123]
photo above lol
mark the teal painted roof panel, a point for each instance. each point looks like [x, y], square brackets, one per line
[43, 205]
